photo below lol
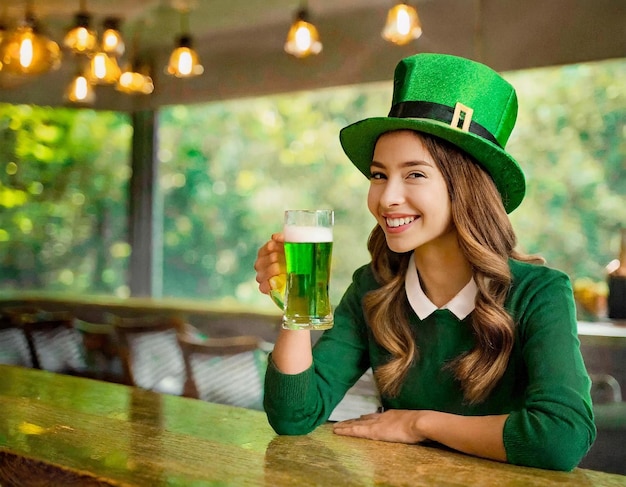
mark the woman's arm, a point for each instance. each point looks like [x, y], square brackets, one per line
[475, 435]
[297, 402]
[555, 428]
[292, 350]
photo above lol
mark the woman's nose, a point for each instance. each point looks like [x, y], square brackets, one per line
[393, 193]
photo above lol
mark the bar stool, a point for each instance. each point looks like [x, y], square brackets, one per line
[54, 343]
[149, 351]
[101, 351]
[229, 370]
[605, 388]
[14, 348]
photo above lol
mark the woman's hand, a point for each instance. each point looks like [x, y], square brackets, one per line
[270, 262]
[477, 435]
[394, 425]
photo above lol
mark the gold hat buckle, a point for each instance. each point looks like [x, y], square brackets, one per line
[463, 114]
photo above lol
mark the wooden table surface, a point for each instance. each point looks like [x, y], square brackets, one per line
[74, 431]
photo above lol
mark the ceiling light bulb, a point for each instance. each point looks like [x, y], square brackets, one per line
[112, 42]
[133, 81]
[403, 24]
[184, 61]
[26, 51]
[80, 91]
[302, 38]
[103, 69]
[81, 39]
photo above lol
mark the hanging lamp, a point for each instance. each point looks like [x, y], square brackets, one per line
[80, 91]
[112, 41]
[303, 38]
[81, 39]
[184, 62]
[403, 24]
[26, 50]
[103, 69]
[135, 78]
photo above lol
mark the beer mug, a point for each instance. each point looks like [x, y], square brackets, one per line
[304, 296]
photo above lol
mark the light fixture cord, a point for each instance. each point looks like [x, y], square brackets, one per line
[4, 16]
[478, 31]
[134, 49]
[303, 12]
[184, 21]
[29, 15]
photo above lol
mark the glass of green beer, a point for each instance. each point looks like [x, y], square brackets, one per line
[308, 251]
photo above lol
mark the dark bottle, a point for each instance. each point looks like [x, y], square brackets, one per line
[617, 284]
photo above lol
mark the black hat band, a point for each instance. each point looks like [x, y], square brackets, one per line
[437, 111]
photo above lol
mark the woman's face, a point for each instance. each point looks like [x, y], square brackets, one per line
[408, 194]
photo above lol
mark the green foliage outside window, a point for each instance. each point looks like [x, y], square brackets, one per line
[571, 141]
[63, 200]
[228, 170]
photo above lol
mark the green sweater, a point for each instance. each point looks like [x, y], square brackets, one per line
[545, 389]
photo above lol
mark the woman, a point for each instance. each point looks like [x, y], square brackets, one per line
[473, 345]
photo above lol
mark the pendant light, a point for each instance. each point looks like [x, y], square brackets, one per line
[112, 41]
[135, 78]
[103, 69]
[81, 39]
[184, 61]
[403, 24]
[302, 38]
[80, 91]
[26, 50]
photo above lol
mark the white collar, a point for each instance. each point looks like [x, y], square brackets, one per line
[460, 305]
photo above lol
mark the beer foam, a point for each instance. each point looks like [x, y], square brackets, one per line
[307, 234]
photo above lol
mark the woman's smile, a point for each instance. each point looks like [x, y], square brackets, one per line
[397, 224]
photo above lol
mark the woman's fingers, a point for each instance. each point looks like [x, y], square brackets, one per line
[270, 262]
[395, 425]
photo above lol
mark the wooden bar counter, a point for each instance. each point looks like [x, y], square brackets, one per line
[62, 430]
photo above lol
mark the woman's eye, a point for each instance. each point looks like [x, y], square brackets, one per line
[415, 175]
[377, 175]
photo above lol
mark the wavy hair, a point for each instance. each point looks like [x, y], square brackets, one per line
[487, 240]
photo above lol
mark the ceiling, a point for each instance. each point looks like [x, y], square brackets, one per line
[240, 42]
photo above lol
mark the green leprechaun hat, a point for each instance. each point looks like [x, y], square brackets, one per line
[456, 99]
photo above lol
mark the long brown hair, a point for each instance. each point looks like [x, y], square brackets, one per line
[487, 240]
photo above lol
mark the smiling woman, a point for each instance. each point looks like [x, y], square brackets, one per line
[464, 333]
